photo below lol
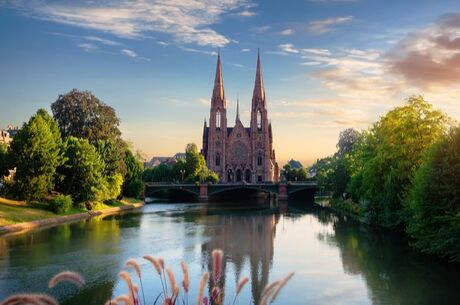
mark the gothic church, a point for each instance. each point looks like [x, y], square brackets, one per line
[239, 154]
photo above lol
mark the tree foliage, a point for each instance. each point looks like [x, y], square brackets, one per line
[5, 160]
[434, 202]
[36, 152]
[192, 169]
[133, 185]
[291, 173]
[84, 174]
[83, 115]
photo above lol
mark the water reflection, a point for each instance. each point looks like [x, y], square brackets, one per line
[336, 260]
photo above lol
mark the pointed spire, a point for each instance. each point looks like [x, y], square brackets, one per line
[237, 109]
[218, 92]
[259, 91]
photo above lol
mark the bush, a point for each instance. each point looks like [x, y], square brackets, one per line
[61, 204]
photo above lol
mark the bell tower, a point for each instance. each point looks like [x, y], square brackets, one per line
[260, 137]
[217, 132]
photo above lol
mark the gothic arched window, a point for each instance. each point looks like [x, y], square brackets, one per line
[259, 119]
[217, 159]
[259, 160]
[218, 119]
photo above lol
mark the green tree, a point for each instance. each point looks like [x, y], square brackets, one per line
[392, 152]
[434, 201]
[133, 185]
[112, 153]
[36, 152]
[82, 115]
[347, 140]
[194, 160]
[5, 160]
[83, 172]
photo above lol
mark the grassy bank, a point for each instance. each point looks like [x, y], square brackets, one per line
[14, 212]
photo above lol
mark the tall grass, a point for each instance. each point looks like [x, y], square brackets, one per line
[171, 293]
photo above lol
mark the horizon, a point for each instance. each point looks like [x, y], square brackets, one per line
[154, 63]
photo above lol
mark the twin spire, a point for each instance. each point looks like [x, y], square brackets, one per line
[259, 91]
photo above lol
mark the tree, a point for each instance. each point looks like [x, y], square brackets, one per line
[37, 152]
[392, 152]
[5, 160]
[133, 185]
[112, 153]
[347, 140]
[194, 160]
[84, 174]
[81, 114]
[434, 201]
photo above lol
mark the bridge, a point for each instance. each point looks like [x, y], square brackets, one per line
[204, 192]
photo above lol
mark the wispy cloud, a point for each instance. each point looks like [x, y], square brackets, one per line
[246, 14]
[288, 48]
[245, 50]
[132, 54]
[260, 29]
[103, 40]
[88, 47]
[188, 22]
[286, 32]
[328, 24]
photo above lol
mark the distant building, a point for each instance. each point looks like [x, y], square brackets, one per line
[7, 135]
[155, 161]
[295, 164]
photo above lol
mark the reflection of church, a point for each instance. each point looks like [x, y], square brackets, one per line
[244, 240]
[240, 154]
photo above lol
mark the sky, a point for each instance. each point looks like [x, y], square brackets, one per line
[327, 65]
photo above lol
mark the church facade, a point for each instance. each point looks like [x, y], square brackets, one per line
[238, 153]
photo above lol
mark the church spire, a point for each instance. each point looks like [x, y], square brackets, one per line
[237, 109]
[259, 91]
[218, 92]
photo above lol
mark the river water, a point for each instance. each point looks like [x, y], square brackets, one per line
[335, 259]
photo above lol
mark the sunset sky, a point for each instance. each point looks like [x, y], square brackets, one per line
[328, 64]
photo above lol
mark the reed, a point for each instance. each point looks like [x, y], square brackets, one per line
[132, 263]
[216, 294]
[67, 276]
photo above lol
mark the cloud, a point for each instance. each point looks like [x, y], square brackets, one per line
[246, 14]
[286, 32]
[260, 29]
[103, 40]
[88, 47]
[327, 25]
[132, 54]
[245, 50]
[188, 22]
[429, 57]
[129, 53]
[212, 53]
[288, 48]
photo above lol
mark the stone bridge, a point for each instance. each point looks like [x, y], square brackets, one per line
[204, 192]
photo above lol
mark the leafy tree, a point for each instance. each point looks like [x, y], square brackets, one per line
[394, 151]
[112, 153]
[434, 201]
[36, 152]
[194, 160]
[290, 173]
[5, 160]
[81, 114]
[83, 172]
[133, 185]
[347, 140]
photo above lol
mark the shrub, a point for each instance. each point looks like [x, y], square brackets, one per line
[61, 204]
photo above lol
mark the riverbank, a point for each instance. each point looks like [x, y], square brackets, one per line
[18, 216]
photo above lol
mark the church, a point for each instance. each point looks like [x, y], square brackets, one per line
[240, 154]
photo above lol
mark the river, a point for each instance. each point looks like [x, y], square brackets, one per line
[335, 259]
